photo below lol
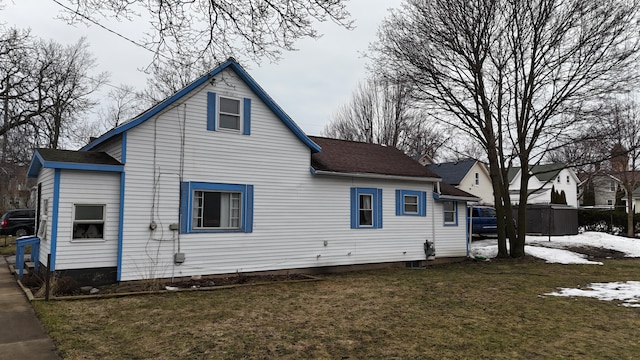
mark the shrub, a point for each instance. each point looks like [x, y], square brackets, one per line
[609, 221]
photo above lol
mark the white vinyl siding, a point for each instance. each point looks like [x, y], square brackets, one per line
[79, 188]
[46, 179]
[113, 147]
[300, 220]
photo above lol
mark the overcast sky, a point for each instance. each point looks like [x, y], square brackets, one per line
[309, 84]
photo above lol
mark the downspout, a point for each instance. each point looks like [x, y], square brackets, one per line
[123, 160]
[433, 215]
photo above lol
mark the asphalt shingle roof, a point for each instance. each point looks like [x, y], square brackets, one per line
[452, 172]
[358, 157]
[79, 157]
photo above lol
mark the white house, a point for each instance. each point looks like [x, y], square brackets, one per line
[468, 175]
[218, 179]
[545, 178]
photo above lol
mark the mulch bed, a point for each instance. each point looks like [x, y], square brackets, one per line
[67, 287]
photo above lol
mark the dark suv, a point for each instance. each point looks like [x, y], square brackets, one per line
[483, 220]
[19, 222]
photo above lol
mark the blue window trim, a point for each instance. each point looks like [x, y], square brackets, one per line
[246, 113]
[187, 190]
[376, 205]
[212, 101]
[212, 114]
[455, 206]
[400, 202]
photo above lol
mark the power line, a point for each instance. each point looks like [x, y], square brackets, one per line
[155, 52]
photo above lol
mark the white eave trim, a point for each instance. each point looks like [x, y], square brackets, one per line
[438, 196]
[376, 176]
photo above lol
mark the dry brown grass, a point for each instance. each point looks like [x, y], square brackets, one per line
[467, 310]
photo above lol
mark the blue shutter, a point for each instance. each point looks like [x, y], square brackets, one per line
[354, 209]
[211, 111]
[246, 128]
[248, 209]
[399, 202]
[184, 207]
[423, 203]
[378, 223]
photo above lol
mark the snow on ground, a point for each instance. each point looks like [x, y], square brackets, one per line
[554, 251]
[627, 292]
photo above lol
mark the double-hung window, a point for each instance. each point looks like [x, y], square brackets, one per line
[88, 221]
[366, 208]
[229, 116]
[228, 113]
[411, 203]
[216, 210]
[450, 213]
[215, 207]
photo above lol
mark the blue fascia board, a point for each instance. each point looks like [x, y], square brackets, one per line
[177, 96]
[78, 166]
[35, 165]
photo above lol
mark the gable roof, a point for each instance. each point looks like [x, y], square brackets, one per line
[544, 173]
[451, 192]
[452, 172]
[69, 159]
[229, 64]
[351, 157]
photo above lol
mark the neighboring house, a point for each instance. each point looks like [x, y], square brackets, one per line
[467, 175]
[598, 191]
[636, 200]
[14, 188]
[217, 179]
[543, 179]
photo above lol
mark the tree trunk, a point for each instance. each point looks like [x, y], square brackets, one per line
[497, 182]
[630, 225]
[517, 242]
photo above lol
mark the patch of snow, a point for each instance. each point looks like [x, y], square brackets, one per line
[554, 251]
[627, 292]
[558, 256]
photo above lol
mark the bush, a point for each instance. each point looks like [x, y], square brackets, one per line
[613, 222]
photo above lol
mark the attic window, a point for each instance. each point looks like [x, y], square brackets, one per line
[229, 117]
[568, 179]
[477, 179]
[227, 113]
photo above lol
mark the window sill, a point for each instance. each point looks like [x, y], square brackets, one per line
[88, 240]
[213, 231]
[416, 214]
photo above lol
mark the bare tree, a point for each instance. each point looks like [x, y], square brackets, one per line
[625, 162]
[381, 112]
[192, 30]
[512, 74]
[46, 92]
[63, 81]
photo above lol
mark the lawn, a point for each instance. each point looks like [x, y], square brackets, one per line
[466, 310]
